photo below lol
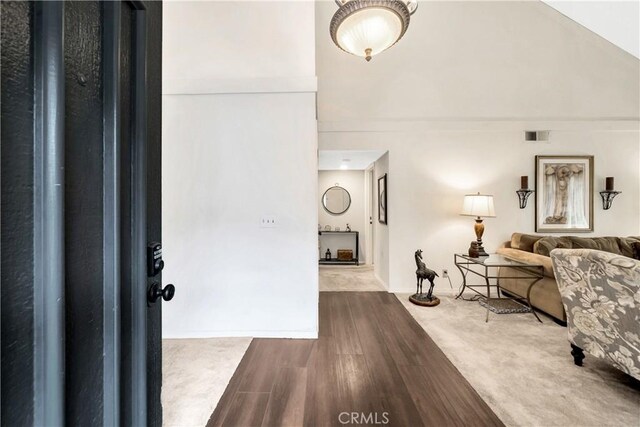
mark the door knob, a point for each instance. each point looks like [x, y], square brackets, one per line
[156, 292]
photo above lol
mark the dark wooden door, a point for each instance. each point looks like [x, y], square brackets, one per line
[81, 154]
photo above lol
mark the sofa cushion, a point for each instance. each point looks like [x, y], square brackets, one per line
[636, 250]
[528, 257]
[606, 244]
[545, 245]
[524, 242]
[628, 246]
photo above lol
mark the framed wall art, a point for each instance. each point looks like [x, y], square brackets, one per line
[382, 199]
[564, 194]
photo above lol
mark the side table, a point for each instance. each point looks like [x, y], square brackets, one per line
[336, 261]
[487, 267]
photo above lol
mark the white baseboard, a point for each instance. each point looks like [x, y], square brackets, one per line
[384, 284]
[243, 334]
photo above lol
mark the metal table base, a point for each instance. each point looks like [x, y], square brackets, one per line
[531, 272]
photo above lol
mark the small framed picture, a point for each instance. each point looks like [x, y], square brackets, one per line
[564, 194]
[382, 199]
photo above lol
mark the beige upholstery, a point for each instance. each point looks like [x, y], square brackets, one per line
[601, 294]
[529, 257]
[545, 295]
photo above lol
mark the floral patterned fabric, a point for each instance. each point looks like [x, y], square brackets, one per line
[601, 295]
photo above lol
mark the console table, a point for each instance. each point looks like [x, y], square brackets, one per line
[481, 266]
[336, 261]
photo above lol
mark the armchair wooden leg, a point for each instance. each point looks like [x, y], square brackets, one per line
[578, 354]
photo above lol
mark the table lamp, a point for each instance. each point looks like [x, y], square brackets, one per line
[480, 206]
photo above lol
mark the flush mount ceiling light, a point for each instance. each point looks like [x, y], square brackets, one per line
[367, 27]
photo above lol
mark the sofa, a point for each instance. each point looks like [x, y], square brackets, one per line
[545, 295]
[601, 296]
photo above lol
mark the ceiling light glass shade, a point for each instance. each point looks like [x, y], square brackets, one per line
[367, 27]
[480, 205]
[369, 32]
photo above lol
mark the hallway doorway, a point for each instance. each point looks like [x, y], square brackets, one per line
[353, 176]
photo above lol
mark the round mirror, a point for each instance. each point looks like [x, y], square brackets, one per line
[336, 200]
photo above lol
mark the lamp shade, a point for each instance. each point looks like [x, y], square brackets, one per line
[479, 205]
[367, 27]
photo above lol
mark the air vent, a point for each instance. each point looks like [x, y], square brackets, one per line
[536, 135]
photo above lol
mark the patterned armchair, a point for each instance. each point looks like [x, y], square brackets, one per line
[601, 295]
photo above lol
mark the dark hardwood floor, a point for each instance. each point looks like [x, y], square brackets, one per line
[371, 358]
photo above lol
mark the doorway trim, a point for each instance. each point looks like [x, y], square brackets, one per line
[111, 215]
[48, 175]
[137, 304]
[369, 212]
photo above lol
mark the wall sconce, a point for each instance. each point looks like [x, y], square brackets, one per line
[524, 192]
[608, 194]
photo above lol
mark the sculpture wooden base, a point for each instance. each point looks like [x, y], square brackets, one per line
[419, 299]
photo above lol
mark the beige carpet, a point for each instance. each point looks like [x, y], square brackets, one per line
[348, 278]
[524, 370]
[195, 373]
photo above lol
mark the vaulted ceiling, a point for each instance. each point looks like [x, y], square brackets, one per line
[615, 21]
[476, 60]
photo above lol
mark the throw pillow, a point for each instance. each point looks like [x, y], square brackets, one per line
[524, 242]
[606, 244]
[626, 245]
[545, 245]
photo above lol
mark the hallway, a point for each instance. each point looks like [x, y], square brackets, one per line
[347, 278]
[371, 358]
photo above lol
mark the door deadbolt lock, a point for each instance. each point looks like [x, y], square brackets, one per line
[155, 264]
[156, 292]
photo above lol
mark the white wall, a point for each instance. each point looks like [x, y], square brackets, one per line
[239, 143]
[207, 40]
[353, 182]
[451, 101]
[381, 231]
[430, 172]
